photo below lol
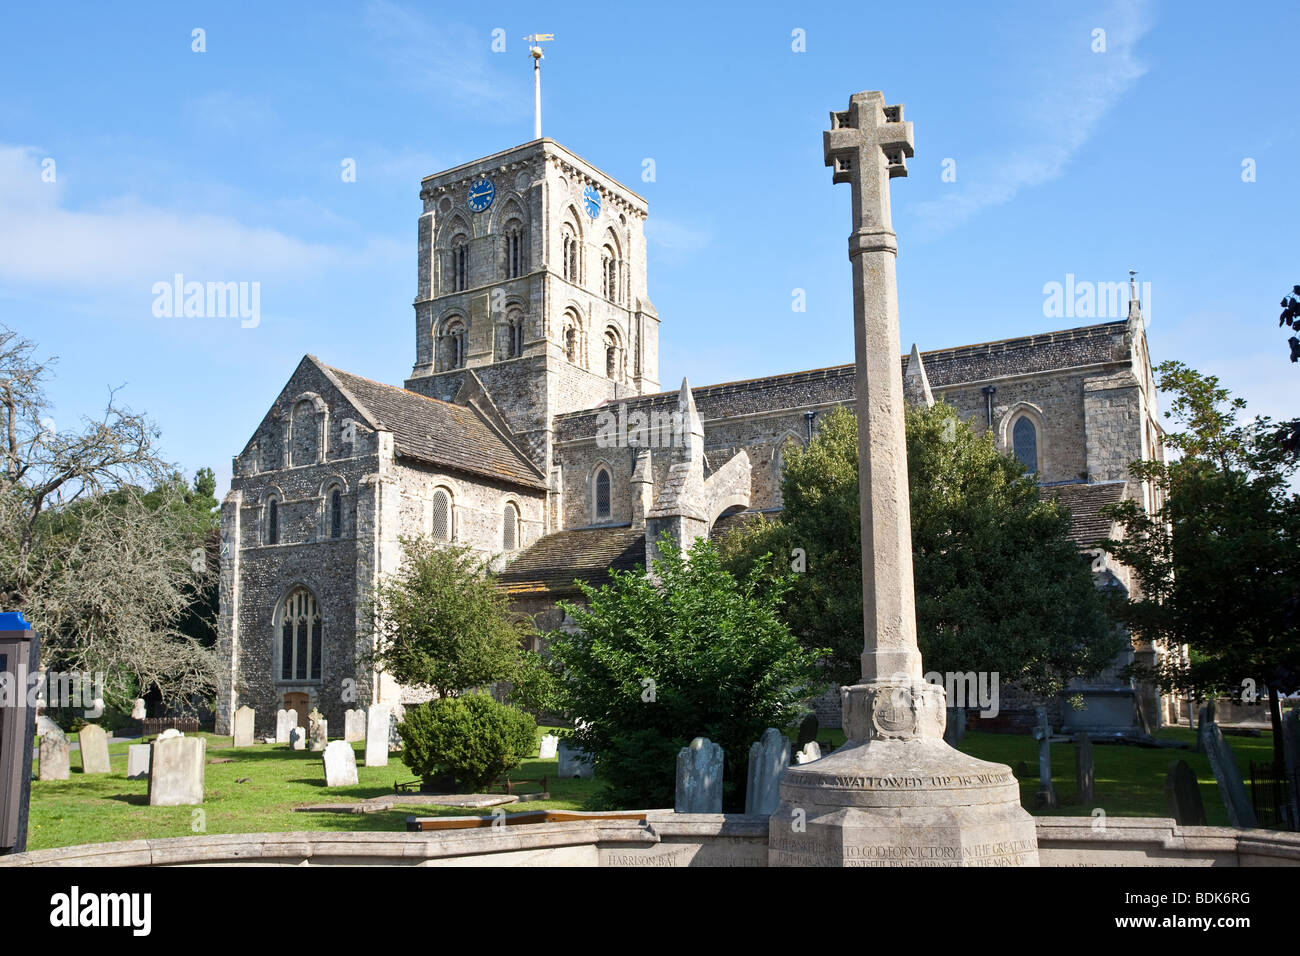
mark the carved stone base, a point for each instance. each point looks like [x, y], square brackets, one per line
[896, 795]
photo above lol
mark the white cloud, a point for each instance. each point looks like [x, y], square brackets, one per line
[673, 241]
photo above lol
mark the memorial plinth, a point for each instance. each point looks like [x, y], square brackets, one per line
[895, 794]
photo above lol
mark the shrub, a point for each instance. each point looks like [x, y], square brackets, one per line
[469, 740]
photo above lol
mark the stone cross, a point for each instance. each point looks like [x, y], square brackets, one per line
[866, 146]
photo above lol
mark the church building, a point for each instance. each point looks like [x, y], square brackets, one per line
[533, 428]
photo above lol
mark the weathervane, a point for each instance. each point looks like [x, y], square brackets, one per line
[533, 39]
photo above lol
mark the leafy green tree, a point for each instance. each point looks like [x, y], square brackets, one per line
[1218, 561]
[693, 651]
[999, 585]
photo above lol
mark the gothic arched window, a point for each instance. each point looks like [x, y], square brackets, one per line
[570, 259]
[336, 513]
[608, 274]
[460, 263]
[613, 355]
[273, 521]
[442, 515]
[301, 637]
[514, 249]
[1024, 441]
[602, 495]
[510, 528]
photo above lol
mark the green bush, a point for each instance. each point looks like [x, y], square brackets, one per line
[466, 741]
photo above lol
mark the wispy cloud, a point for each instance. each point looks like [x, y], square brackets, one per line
[1073, 90]
[674, 241]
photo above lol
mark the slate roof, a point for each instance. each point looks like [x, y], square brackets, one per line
[1087, 527]
[437, 432]
[553, 561]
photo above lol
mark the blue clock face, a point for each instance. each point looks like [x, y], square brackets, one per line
[591, 200]
[481, 194]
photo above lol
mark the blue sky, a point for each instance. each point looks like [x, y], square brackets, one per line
[225, 165]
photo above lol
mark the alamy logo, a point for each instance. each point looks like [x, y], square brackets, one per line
[208, 300]
[57, 689]
[638, 429]
[74, 909]
[1092, 300]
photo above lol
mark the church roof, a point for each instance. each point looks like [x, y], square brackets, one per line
[555, 560]
[437, 432]
[1084, 502]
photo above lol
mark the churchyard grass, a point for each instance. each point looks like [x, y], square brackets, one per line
[108, 807]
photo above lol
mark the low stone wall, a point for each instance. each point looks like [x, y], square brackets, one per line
[664, 839]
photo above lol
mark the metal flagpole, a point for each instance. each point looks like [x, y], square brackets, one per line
[532, 40]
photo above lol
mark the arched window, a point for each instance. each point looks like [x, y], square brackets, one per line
[273, 521]
[613, 355]
[1024, 441]
[510, 528]
[301, 637]
[441, 515]
[460, 263]
[602, 495]
[569, 248]
[608, 274]
[336, 513]
[514, 249]
[513, 333]
[451, 345]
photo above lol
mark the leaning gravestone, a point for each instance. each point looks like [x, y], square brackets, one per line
[318, 733]
[1184, 795]
[94, 749]
[298, 738]
[699, 777]
[285, 721]
[808, 728]
[955, 728]
[176, 771]
[811, 751]
[354, 725]
[573, 762]
[1084, 771]
[340, 764]
[377, 735]
[1046, 797]
[550, 743]
[55, 750]
[768, 760]
[1241, 812]
[137, 761]
[242, 730]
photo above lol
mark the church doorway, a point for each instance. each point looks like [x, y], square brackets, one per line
[298, 702]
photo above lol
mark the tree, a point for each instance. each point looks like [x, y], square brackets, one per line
[440, 621]
[656, 662]
[102, 568]
[1217, 563]
[1288, 433]
[999, 586]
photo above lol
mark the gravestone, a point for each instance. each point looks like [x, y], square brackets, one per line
[573, 761]
[170, 733]
[1184, 795]
[395, 717]
[768, 760]
[44, 725]
[138, 711]
[1084, 771]
[285, 721]
[808, 728]
[550, 743]
[354, 725]
[137, 761]
[242, 729]
[176, 769]
[340, 764]
[955, 729]
[297, 738]
[1291, 761]
[1045, 799]
[811, 751]
[1241, 811]
[377, 735]
[699, 777]
[55, 751]
[94, 749]
[318, 733]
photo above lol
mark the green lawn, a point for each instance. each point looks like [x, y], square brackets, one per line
[1130, 782]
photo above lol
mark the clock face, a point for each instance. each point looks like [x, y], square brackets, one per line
[591, 201]
[481, 194]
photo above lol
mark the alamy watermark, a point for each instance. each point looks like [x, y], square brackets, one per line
[208, 300]
[969, 689]
[1076, 299]
[54, 689]
[639, 429]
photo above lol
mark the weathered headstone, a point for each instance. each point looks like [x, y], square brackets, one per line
[1291, 760]
[318, 733]
[340, 765]
[377, 735]
[298, 738]
[138, 711]
[44, 725]
[354, 725]
[1084, 771]
[137, 761]
[94, 749]
[955, 728]
[1241, 811]
[394, 735]
[55, 750]
[811, 751]
[1046, 796]
[768, 759]
[699, 777]
[176, 770]
[242, 728]
[1184, 795]
[169, 733]
[808, 728]
[550, 743]
[285, 721]
[573, 762]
